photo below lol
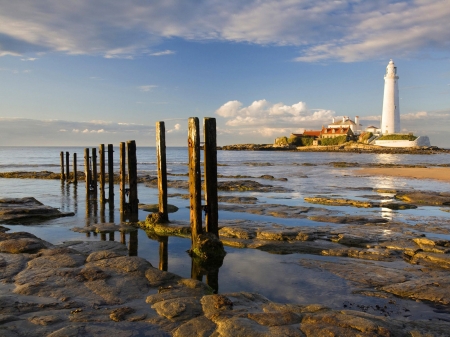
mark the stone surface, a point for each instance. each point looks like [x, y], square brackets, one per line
[12, 209]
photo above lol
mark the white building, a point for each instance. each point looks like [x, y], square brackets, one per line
[390, 117]
[346, 122]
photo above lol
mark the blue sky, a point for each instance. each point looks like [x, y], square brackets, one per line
[87, 72]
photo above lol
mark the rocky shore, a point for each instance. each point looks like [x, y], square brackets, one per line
[96, 289]
[347, 147]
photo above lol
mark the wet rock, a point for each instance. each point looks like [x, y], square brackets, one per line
[339, 202]
[434, 289]
[436, 259]
[248, 185]
[347, 219]
[22, 245]
[275, 210]
[45, 319]
[198, 326]
[155, 208]
[237, 200]
[119, 314]
[424, 198]
[208, 246]
[97, 247]
[178, 228]
[179, 309]
[348, 323]
[12, 209]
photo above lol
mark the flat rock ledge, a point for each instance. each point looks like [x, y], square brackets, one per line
[28, 208]
[62, 291]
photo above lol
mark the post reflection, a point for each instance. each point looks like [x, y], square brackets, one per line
[208, 268]
[163, 252]
[133, 244]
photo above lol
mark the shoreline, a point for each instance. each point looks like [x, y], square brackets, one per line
[352, 148]
[435, 173]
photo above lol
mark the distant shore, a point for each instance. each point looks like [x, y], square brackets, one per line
[348, 147]
[437, 173]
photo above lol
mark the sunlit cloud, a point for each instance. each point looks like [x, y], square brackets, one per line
[267, 119]
[345, 30]
[176, 127]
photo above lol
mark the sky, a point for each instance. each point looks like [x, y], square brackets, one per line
[85, 72]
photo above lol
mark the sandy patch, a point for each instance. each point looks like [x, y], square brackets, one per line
[438, 173]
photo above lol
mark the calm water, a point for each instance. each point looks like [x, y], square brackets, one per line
[277, 277]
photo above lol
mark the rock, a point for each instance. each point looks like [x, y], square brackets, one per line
[434, 289]
[22, 245]
[198, 326]
[339, 202]
[208, 247]
[12, 209]
[119, 314]
[179, 309]
[237, 200]
[248, 185]
[424, 198]
[155, 208]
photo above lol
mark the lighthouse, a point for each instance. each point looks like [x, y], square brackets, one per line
[390, 117]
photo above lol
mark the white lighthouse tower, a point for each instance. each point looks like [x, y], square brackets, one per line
[390, 118]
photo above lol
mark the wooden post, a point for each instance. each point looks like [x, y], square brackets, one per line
[87, 170]
[132, 177]
[122, 202]
[94, 171]
[101, 152]
[161, 169]
[210, 162]
[195, 186]
[111, 175]
[75, 176]
[67, 166]
[62, 166]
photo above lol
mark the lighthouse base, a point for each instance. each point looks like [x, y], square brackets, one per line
[418, 142]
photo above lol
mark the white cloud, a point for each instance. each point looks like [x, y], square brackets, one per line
[62, 130]
[29, 59]
[163, 53]
[267, 119]
[85, 131]
[346, 30]
[176, 127]
[147, 88]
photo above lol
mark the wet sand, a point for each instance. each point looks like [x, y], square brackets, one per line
[438, 173]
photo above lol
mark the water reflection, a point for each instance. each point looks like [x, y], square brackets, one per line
[389, 184]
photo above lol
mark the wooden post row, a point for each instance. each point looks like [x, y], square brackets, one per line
[161, 169]
[195, 186]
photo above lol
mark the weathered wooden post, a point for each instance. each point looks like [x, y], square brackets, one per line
[195, 185]
[210, 162]
[75, 176]
[101, 152]
[111, 175]
[122, 173]
[67, 166]
[132, 177]
[62, 166]
[94, 171]
[87, 170]
[161, 169]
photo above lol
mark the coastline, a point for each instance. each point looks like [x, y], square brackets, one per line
[436, 173]
[349, 147]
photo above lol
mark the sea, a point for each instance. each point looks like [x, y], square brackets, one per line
[280, 278]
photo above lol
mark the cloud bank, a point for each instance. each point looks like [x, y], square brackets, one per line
[344, 30]
[267, 119]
